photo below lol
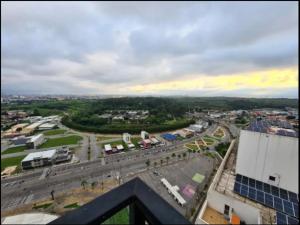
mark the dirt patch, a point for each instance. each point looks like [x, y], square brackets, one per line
[78, 195]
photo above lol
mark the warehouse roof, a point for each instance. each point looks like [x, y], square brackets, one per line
[42, 154]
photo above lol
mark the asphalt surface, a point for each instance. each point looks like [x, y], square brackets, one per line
[33, 185]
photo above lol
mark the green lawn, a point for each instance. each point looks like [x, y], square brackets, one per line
[179, 138]
[14, 150]
[192, 146]
[122, 217]
[54, 132]
[43, 206]
[135, 140]
[69, 140]
[13, 161]
[198, 178]
[103, 138]
[72, 206]
[208, 141]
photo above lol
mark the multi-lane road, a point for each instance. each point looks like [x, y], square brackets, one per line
[33, 185]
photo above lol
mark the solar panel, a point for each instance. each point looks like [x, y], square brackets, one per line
[275, 191]
[296, 210]
[267, 188]
[260, 197]
[283, 194]
[292, 220]
[278, 204]
[245, 180]
[281, 200]
[259, 185]
[239, 178]
[244, 190]
[269, 200]
[293, 197]
[251, 182]
[252, 193]
[288, 208]
[281, 218]
[237, 187]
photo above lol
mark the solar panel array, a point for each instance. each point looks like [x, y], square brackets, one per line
[263, 126]
[282, 218]
[283, 201]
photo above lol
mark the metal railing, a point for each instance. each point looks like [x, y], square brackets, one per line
[145, 207]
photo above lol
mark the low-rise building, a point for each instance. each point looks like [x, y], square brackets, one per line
[108, 148]
[258, 183]
[47, 126]
[35, 141]
[144, 135]
[120, 147]
[131, 146]
[146, 143]
[38, 159]
[20, 140]
[126, 137]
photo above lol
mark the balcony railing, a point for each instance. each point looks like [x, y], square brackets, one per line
[145, 207]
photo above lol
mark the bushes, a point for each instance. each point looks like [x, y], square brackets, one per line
[131, 128]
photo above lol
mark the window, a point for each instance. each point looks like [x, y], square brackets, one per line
[272, 178]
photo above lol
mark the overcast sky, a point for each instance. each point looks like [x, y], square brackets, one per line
[242, 49]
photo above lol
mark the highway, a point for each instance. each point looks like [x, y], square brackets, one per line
[32, 185]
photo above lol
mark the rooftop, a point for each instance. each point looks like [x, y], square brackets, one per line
[278, 127]
[212, 216]
[225, 186]
[42, 154]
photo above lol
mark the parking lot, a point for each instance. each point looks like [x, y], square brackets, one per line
[181, 174]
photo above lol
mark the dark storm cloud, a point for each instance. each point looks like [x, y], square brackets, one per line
[94, 47]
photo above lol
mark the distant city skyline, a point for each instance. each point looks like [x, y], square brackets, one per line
[232, 49]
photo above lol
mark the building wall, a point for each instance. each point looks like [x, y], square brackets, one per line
[261, 155]
[246, 212]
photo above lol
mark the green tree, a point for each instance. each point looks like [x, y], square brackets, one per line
[161, 162]
[84, 183]
[173, 155]
[94, 184]
[167, 158]
[179, 156]
[148, 163]
[184, 155]
[155, 164]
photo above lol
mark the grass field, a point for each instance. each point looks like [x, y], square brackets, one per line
[69, 140]
[103, 138]
[135, 140]
[122, 217]
[209, 141]
[14, 150]
[72, 206]
[43, 206]
[54, 132]
[192, 146]
[14, 161]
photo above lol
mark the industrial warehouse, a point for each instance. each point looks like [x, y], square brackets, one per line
[45, 158]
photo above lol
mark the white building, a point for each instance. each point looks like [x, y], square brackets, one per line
[37, 159]
[274, 159]
[144, 135]
[196, 127]
[126, 137]
[47, 126]
[107, 148]
[120, 147]
[258, 184]
[35, 141]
